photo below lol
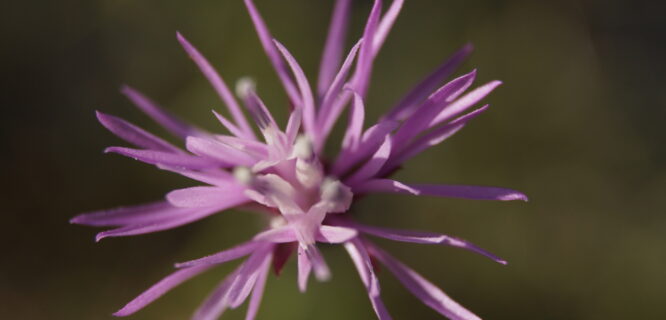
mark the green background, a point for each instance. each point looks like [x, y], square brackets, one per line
[578, 126]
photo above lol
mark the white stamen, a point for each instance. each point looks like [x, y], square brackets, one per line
[335, 195]
[277, 222]
[243, 175]
[244, 86]
[303, 147]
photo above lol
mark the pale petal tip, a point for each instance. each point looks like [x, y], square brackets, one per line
[514, 196]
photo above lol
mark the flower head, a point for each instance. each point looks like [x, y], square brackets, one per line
[284, 175]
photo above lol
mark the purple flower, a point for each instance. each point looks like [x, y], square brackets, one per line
[284, 175]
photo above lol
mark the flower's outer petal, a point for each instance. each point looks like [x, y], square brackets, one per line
[319, 266]
[304, 88]
[441, 190]
[233, 129]
[361, 259]
[269, 47]
[258, 292]
[218, 84]
[224, 153]
[161, 116]
[233, 253]
[363, 71]
[432, 138]
[304, 268]
[424, 238]
[293, 125]
[386, 24]
[437, 101]
[248, 274]
[327, 116]
[277, 235]
[196, 197]
[425, 291]
[370, 168]
[216, 302]
[465, 102]
[333, 48]
[159, 289]
[254, 148]
[335, 234]
[187, 215]
[165, 158]
[370, 142]
[127, 215]
[134, 134]
[218, 178]
[354, 130]
[411, 100]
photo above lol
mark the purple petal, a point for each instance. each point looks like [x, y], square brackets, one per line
[361, 260]
[319, 266]
[159, 289]
[233, 129]
[224, 153]
[361, 80]
[134, 134]
[214, 177]
[424, 238]
[248, 274]
[161, 116]
[355, 126]
[330, 59]
[386, 24]
[371, 141]
[304, 88]
[277, 235]
[165, 158]
[384, 186]
[127, 215]
[442, 190]
[218, 84]
[233, 253]
[216, 302]
[428, 293]
[465, 102]
[269, 47]
[335, 234]
[410, 102]
[257, 292]
[293, 125]
[370, 168]
[197, 197]
[304, 268]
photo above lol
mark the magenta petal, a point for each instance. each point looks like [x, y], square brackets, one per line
[214, 177]
[159, 289]
[386, 24]
[370, 142]
[197, 197]
[361, 259]
[224, 153]
[269, 47]
[165, 158]
[277, 235]
[218, 84]
[332, 55]
[384, 186]
[304, 268]
[128, 215]
[335, 234]
[248, 274]
[233, 129]
[257, 292]
[425, 238]
[372, 167]
[134, 134]
[465, 102]
[216, 302]
[363, 72]
[233, 253]
[354, 130]
[425, 291]
[161, 116]
[441, 190]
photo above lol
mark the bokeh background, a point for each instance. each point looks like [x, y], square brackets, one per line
[578, 126]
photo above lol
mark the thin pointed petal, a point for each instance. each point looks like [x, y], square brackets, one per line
[363, 72]
[165, 158]
[304, 269]
[442, 190]
[134, 134]
[233, 253]
[277, 235]
[371, 141]
[386, 24]
[216, 302]
[372, 167]
[248, 275]
[465, 102]
[257, 292]
[335, 234]
[335, 41]
[361, 259]
[233, 129]
[355, 126]
[197, 197]
[223, 153]
[127, 215]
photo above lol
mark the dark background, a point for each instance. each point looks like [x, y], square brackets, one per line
[578, 126]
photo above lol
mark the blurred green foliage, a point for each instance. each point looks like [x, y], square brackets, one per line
[578, 126]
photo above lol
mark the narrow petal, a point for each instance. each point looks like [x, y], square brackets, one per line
[319, 266]
[257, 292]
[272, 53]
[277, 235]
[165, 158]
[384, 186]
[223, 153]
[304, 88]
[161, 116]
[335, 234]
[134, 134]
[304, 268]
[216, 302]
[293, 125]
[219, 85]
[197, 197]
[371, 141]
[361, 259]
[424, 290]
[363, 72]
[355, 127]
[465, 102]
[411, 100]
[442, 190]
[335, 41]
[233, 129]
[248, 274]
[127, 215]
[214, 177]
[370, 168]
[386, 24]
[159, 289]
[424, 238]
[233, 253]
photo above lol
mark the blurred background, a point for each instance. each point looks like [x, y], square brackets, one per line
[578, 126]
